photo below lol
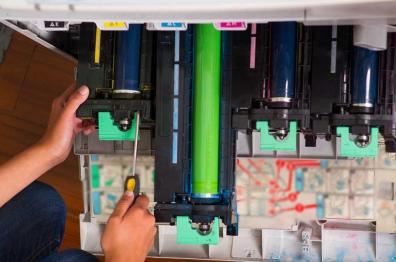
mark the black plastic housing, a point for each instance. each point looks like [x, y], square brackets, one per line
[323, 85]
[99, 77]
[173, 162]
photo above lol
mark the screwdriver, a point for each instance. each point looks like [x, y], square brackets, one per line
[132, 182]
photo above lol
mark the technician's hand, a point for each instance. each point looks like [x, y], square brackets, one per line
[130, 231]
[63, 125]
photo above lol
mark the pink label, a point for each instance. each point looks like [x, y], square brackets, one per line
[231, 25]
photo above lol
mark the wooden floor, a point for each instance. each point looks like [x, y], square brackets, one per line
[31, 76]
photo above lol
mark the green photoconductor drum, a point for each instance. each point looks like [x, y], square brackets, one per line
[206, 111]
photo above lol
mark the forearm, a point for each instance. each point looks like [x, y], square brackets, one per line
[23, 169]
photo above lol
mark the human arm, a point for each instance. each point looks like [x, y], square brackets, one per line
[52, 149]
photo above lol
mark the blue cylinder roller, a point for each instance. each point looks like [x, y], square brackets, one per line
[128, 61]
[283, 61]
[365, 78]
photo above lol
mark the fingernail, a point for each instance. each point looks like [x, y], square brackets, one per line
[83, 90]
[129, 193]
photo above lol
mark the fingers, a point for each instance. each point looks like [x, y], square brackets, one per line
[88, 130]
[151, 239]
[85, 126]
[142, 202]
[60, 101]
[76, 99]
[139, 210]
[65, 95]
[123, 205]
[78, 125]
[88, 122]
[154, 232]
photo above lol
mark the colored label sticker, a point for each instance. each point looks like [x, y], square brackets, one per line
[231, 26]
[113, 25]
[55, 24]
[52, 25]
[171, 24]
[167, 26]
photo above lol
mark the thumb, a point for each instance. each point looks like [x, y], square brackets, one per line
[76, 99]
[123, 204]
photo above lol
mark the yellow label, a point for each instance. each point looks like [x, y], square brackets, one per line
[97, 46]
[115, 25]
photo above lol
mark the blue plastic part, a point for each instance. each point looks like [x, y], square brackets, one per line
[365, 77]
[128, 59]
[283, 59]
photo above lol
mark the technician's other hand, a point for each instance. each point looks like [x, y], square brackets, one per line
[130, 231]
[63, 125]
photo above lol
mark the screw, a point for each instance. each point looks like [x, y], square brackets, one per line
[204, 228]
[362, 140]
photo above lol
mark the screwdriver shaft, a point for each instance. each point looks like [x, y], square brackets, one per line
[136, 143]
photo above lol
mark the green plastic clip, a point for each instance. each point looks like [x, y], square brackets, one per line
[187, 235]
[95, 176]
[348, 148]
[109, 131]
[269, 143]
